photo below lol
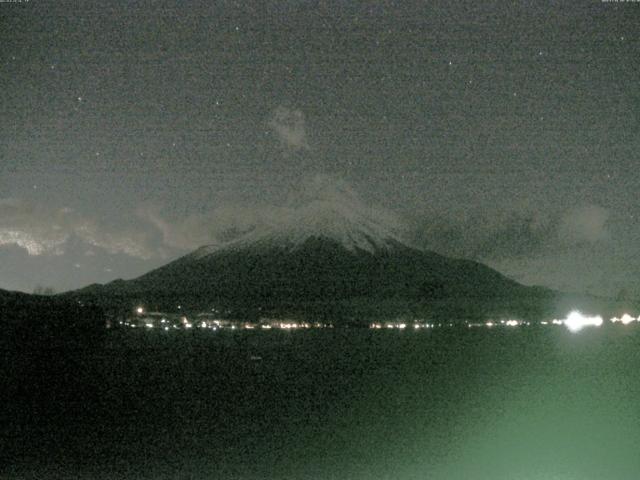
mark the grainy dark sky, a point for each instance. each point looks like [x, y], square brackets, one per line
[133, 132]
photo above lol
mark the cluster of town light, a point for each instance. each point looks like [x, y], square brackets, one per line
[401, 325]
[204, 321]
[575, 321]
[625, 319]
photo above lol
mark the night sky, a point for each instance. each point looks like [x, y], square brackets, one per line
[134, 132]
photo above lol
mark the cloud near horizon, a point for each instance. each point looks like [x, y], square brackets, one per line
[221, 224]
[484, 235]
[44, 230]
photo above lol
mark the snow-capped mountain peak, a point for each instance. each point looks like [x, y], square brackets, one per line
[323, 208]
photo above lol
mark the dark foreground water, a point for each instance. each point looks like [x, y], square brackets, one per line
[530, 404]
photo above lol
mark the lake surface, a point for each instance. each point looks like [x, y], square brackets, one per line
[504, 403]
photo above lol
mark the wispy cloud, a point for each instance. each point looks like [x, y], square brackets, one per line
[318, 198]
[41, 229]
[221, 224]
[289, 125]
[584, 224]
[511, 234]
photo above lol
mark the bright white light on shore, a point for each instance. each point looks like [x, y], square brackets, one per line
[149, 325]
[489, 324]
[512, 323]
[626, 319]
[576, 321]
[140, 310]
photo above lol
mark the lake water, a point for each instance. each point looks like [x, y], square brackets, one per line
[504, 403]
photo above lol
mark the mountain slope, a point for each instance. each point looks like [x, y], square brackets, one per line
[319, 268]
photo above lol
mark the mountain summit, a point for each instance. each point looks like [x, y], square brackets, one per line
[321, 207]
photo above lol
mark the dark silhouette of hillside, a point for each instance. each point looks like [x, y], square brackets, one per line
[35, 321]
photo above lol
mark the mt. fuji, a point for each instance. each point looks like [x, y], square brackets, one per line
[325, 248]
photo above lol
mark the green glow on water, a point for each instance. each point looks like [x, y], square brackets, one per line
[530, 404]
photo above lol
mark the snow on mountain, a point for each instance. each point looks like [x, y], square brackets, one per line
[322, 207]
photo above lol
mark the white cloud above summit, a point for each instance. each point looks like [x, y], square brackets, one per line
[289, 125]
